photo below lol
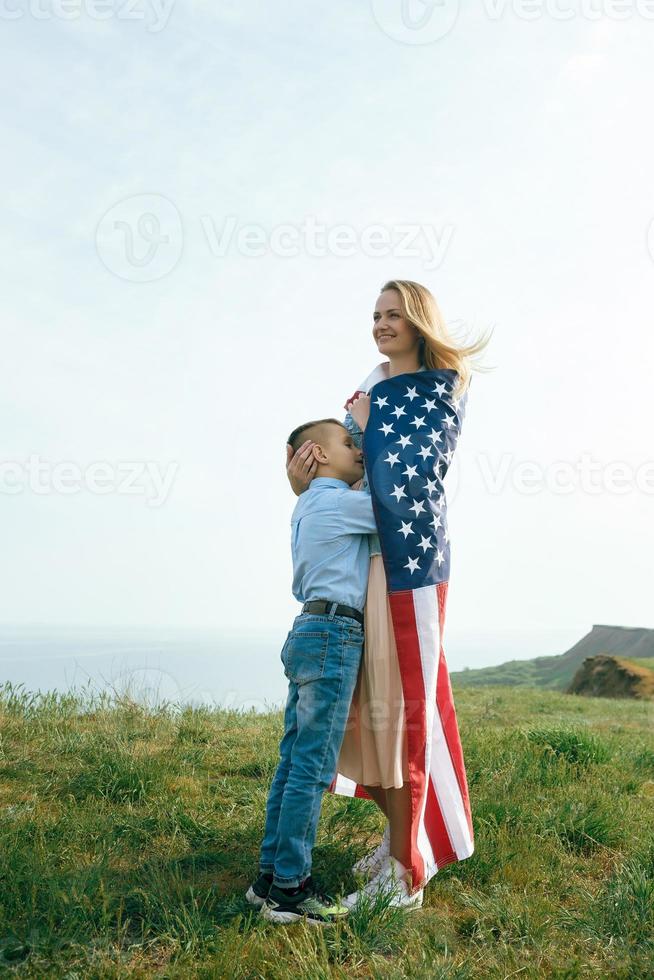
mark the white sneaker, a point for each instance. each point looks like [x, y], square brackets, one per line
[388, 881]
[370, 864]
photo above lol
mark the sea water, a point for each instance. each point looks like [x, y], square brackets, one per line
[209, 667]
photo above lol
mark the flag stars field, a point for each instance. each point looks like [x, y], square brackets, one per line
[418, 507]
[406, 529]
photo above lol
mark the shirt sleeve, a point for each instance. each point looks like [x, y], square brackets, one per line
[356, 513]
[354, 430]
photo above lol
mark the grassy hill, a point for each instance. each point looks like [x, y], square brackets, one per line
[128, 836]
[614, 677]
[642, 662]
[556, 672]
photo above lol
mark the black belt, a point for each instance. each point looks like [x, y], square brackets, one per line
[321, 606]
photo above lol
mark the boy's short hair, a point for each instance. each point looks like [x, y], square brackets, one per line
[299, 435]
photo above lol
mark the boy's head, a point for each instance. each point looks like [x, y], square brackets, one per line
[334, 450]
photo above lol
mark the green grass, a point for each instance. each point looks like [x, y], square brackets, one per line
[129, 835]
[552, 673]
[640, 661]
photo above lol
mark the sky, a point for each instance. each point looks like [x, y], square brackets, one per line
[201, 203]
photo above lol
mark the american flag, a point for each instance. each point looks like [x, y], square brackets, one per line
[408, 445]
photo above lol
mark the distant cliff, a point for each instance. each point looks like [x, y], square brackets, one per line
[613, 677]
[625, 641]
[557, 672]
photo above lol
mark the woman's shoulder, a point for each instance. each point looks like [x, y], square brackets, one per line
[380, 373]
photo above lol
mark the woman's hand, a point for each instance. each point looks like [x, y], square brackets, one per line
[301, 467]
[359, 409]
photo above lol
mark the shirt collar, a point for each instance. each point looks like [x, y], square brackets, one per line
[328, 481]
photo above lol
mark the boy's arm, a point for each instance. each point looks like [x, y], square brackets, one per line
[356, 513]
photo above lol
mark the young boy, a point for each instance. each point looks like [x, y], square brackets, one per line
[321, 658]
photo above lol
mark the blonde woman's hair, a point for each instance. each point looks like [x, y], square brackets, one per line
[439, 349]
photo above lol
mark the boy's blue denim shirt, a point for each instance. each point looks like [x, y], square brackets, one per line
[329, 543]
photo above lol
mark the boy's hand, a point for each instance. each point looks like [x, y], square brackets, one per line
[301, 467]
[359, 409]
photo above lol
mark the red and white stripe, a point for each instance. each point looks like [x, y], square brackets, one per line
[441, 822]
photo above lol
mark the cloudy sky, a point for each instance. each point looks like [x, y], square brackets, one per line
[201, 201]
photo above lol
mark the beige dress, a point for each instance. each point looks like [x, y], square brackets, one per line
[374, 750]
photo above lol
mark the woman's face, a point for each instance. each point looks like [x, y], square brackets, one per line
[391, 332]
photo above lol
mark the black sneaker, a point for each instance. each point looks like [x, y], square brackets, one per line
[257, 893]
[284, 905]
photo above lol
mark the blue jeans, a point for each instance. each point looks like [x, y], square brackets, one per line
[321, 658]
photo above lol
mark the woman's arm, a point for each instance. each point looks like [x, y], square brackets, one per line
[359, 409]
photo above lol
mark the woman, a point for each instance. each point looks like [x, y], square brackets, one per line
[375, 761]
